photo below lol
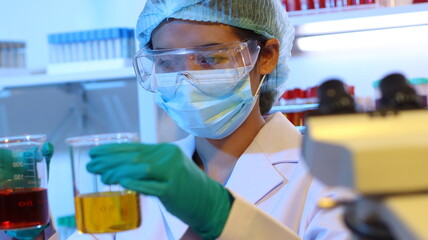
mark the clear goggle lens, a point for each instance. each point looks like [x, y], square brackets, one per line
[164, 71]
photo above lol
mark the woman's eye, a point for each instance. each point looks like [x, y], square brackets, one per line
[164, 63]
[211, 61]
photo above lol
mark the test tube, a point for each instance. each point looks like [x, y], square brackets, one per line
[52, 42]
[61, 47]
[8, 58]
[73, 36]
[91, 46]
[91, 43]
[66, 47]
[304, 5]
[124, 43]
[21, 55]
[4, 54]
[14, 54]
[1, 55]
[115, 39]
[79, 46]
[101, 43]
[86, 55]
[131, 43]
[57, 49]
[95, 45]
[109, 43]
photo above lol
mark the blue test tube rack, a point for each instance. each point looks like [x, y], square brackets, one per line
[78, 51]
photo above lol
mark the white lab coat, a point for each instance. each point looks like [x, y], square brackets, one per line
[275, 196]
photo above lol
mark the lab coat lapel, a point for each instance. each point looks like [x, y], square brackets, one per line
[174, 227]
[254, 175]
[280, 140]
[187, 145]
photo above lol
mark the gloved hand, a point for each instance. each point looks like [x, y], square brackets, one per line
[28, 234]
[47, 152]
[7, 169]
[162, 170]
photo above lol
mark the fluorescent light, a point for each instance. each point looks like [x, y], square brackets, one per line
[364, 23]
[384, 38]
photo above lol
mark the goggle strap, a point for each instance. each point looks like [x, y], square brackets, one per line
[153, 88]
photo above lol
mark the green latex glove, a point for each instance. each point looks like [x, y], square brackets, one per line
[7, 171]
[6, 168]
[47, 152]
[162, 170]
[28, 234]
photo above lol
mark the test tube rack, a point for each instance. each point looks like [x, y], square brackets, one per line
[93, 50]
[12, 58]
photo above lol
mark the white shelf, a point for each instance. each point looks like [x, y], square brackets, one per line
[340, 13]
[46, 79]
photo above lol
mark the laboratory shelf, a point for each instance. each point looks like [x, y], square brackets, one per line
[294, 108]
[298, 18]
[52, 79]
[341, 13]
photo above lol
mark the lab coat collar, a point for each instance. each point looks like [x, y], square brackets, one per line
[187, 145]
[254, 174]
[280, 140]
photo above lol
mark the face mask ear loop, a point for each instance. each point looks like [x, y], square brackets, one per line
[261, 83]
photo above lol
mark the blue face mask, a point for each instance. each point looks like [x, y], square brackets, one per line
[207, 116]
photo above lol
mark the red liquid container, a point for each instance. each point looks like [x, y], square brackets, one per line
[23, 208]
[23, 183]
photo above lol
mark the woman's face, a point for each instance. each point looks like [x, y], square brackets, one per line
[184, 34]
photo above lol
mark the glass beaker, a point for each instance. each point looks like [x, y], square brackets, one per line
[23, 182]
[101, 208]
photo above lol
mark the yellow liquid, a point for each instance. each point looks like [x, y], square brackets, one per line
[107, 212]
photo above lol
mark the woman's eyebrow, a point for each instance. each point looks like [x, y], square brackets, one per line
[202, 45]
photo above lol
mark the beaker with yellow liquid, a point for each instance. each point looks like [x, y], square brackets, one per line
[101, 208]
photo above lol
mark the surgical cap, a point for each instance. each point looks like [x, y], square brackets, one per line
[265, 17]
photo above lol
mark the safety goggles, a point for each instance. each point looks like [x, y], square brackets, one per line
[164, 71]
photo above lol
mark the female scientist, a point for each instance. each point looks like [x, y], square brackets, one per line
[216, 67]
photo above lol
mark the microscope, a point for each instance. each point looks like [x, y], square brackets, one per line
[382, 155]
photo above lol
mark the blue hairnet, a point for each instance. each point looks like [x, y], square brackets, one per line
[265, 17]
